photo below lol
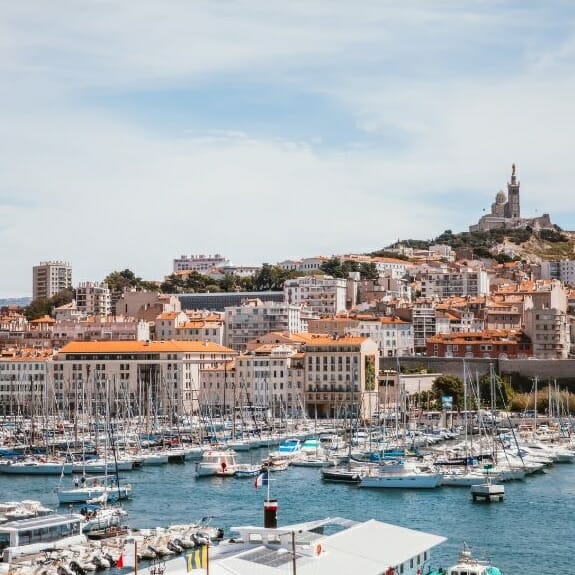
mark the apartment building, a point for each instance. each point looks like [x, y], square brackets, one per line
[499, 344]
[24, 382]
[340, 376]
[563, 270]
[444, 283]
[323, 294]
[393, 336]
[94, 298]
[421, 314]
[256, 317]
[49, 278]
[133, 377]
[200, 263]
[305, 265]
[199, 327]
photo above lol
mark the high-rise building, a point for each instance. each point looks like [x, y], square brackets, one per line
[93, 298]
[49, 278]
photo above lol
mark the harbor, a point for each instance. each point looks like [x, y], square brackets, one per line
[173, 494]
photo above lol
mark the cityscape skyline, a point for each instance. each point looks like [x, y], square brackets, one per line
[136, 133]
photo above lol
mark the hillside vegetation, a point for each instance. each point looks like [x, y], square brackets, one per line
[526, 243]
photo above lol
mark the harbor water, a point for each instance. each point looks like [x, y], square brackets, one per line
[530, 533]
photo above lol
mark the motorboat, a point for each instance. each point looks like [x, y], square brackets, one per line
[402, 474]
[221, 463]
[468, 565]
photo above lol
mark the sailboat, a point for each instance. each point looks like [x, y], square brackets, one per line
[102, 488]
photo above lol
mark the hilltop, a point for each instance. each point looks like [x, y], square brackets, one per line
[507, 244]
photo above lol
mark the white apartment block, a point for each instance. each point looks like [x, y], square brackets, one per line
[133, 378]
[324, 294]
[563, 270]
[444, 283]
[392, 267]
[423, 321]
[549, 331]
[393, 336]
[93, 298]
[255, 318]
[546, 320]
[305, 265]
[24, 383]
[49, 278]
[200, 263]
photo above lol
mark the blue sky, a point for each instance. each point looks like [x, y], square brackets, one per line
[135, 132]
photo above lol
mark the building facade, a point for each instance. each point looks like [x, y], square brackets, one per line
[324, 294]
[255, 317]
[200, 263]
[24, 383]
[463, 283]
[132, 378]
[340, 377]
[49, 278]
[94, 298]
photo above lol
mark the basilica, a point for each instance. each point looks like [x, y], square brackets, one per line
[506, 211]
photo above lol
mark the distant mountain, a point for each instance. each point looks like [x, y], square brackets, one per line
[21, 301]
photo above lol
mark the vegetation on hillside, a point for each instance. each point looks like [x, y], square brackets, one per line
[544, 243]
[40, 307]
[338, 268]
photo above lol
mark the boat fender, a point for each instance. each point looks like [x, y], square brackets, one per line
[318, 550]
[223, 464]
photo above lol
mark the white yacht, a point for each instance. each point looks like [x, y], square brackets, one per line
[402, 474]
[221, 463]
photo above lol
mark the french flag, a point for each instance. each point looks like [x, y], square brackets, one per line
[261, 479]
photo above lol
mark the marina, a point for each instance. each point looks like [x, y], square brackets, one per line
[172, 494]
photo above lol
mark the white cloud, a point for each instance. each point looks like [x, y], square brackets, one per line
[104, 192]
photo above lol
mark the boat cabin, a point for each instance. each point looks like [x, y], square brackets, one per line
[39, 534]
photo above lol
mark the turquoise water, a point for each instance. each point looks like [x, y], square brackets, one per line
[531, 533]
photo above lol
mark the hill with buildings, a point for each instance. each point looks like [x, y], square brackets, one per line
[504, 244]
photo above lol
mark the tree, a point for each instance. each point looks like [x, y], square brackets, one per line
[38, 307]
[450, 386]
[502, 389]
[119, 281]
[45, 306]
[333, 267]
[368, 271]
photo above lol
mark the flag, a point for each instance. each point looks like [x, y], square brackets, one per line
[261, 479]
[197, 559]
[128, 556]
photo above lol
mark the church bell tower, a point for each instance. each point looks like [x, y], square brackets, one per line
[512, 208]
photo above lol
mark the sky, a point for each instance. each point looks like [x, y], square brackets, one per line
[134, 132]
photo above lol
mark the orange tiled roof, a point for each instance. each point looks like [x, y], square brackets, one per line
[170, 346]
[44, 319]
